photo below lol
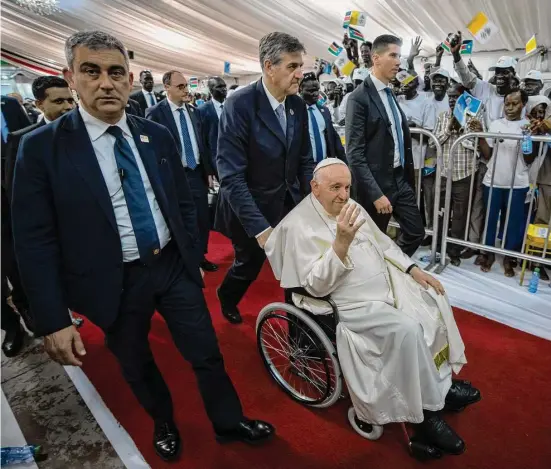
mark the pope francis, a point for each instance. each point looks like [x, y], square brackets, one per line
[397, 339]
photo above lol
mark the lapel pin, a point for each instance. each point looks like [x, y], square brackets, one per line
[292, 112]
[144, 138]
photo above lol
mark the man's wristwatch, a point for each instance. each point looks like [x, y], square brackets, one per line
[410, 268]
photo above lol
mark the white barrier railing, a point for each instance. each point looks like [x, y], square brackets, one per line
[545, 140]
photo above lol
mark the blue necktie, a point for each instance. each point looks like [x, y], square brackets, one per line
[397, 125]
[318, 154]
[136, 198]
[5, 129]
[280, 113]
[187, 145]
[151, 100]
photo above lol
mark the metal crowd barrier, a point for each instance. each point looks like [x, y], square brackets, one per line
[437, 182]
[480, 245]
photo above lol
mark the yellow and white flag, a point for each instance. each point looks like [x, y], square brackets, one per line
[532, 44]
[358, 18]
[344, 65]
[482, 28]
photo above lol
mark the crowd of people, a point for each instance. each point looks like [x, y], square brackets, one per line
[428, 103]
[105, 212]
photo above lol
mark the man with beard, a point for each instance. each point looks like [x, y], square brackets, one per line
[324, 139]
[264, 161]
[146, 97]
[490, 95]
[379, 148]
[209, 113]
[54, 98]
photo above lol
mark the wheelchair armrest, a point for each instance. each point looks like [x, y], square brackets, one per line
[304, 292]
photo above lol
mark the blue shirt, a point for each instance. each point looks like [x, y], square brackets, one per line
[320, 122]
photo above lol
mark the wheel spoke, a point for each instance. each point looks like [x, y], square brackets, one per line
[296, 357]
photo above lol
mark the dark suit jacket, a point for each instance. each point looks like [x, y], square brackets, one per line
[257, 164]
[332, 139]
[11, 152]
[209, 129]
[140, 98]
[66, 238]
[16, 119]
[134, 108]
[370, 146]
[162, 114]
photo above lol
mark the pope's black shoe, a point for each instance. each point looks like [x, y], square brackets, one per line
[436, 432]
[166, 441]
[460, 395]
[253, 432]
[229, 311]
[208, 266]
[13, 341]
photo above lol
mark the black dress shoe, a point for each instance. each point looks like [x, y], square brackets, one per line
[460, 395]
[13, 341]
[436, 432]
[208, 266]
[252, 432]
[166, 441]
[230, 312]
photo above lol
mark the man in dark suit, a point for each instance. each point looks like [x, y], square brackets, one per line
[104, 223]
[133, 107]
[264, 162]
[53, 98]
[13, 118]
[183, 122]
[378, 147]
[324, 139]
[146, 97]
[210, 116]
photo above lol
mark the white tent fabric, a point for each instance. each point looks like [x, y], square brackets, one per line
[197, 36]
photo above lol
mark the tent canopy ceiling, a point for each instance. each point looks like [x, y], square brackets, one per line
[197, 36]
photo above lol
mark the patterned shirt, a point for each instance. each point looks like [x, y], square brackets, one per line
[465, 163]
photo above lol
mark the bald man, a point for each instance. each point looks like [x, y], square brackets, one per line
[397, 339]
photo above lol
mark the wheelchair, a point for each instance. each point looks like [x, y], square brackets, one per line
[298, 350]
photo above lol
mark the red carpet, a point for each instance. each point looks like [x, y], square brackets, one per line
[509, 429]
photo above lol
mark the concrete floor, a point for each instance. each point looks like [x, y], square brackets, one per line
[50, 412]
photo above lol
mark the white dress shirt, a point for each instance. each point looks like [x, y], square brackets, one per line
[176, 114]
[274, 102]
[320, 122]
[104, 148]
[217, 107]
[146, 96]
[381, 88]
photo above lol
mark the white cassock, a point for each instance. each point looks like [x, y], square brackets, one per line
[397, 342]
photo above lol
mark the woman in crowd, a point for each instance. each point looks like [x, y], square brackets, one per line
[510, 173]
